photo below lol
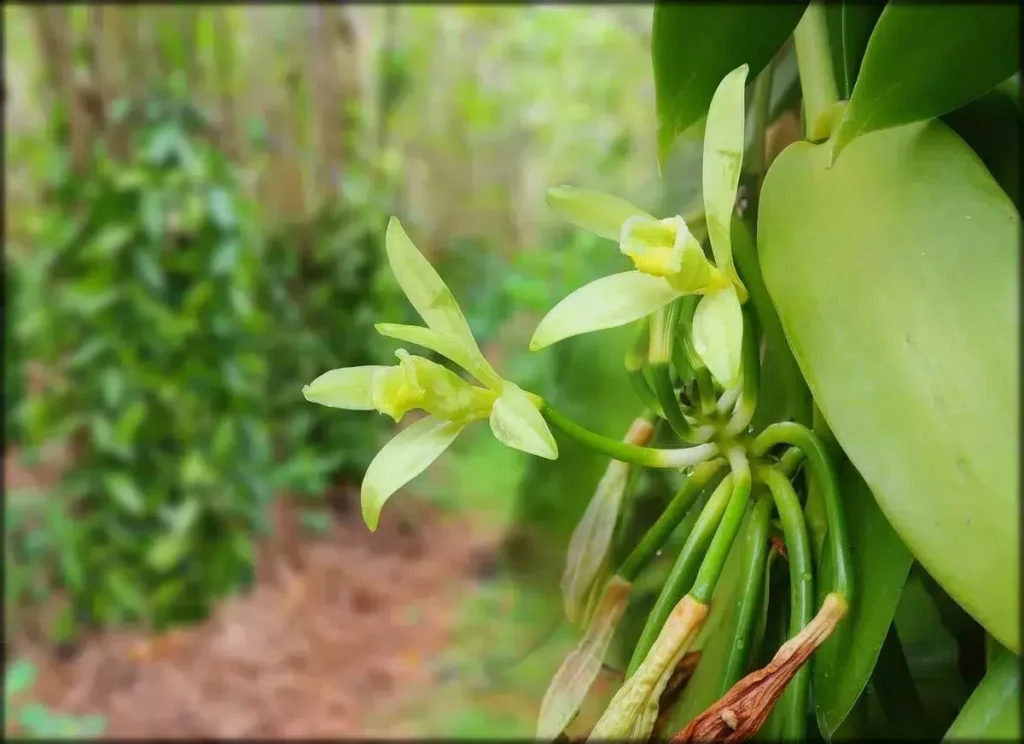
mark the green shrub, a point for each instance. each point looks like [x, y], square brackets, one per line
[150, 321]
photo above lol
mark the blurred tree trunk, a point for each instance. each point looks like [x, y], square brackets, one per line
[53, 27]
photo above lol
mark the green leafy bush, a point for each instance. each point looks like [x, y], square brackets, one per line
[149, 319]
[322, 289]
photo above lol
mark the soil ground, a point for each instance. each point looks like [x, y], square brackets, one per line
[341, 629]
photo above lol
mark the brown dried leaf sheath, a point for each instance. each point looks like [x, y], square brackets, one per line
[674, 688]
[580, 668]
[743, 710]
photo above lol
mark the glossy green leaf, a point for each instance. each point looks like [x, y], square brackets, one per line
[604, 303]
[895, 275]
[993, 710]
[991, 126]
[695, 45]
[881, 563]
[516, 422]
[600, 213]
[924, 60]
[402, 459]
[350, 388]
[857, 20]
[123, 490]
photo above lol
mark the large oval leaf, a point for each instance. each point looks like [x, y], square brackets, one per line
[924, 60]
[991, 126]
[695, 45]
[895, 275]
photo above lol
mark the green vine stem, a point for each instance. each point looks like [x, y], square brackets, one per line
[683, 571]
[794, 434]
[718, 551]
[752, 576]
[817, 78]
[793, 705]
[648, 457]
[685, 497]
[759, 120]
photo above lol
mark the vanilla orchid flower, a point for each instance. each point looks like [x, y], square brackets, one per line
[669, 261]
[451, 402]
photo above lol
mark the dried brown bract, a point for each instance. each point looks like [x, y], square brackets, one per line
[743, 710]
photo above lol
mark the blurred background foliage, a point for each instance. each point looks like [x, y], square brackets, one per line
[195, 206]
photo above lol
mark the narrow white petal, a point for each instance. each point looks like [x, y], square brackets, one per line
[605, 303]
[402, 459]
[424, 287]
[517, 423]
[723, 156]
[601, 214]
[470, 359]
[718, 335]
[347, 387]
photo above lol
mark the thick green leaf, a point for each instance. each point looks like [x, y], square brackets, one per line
[895, 275]
[993, 710]
[924, 60]
[857, 20]
[881, 562]
[991, 126]
[695, 45]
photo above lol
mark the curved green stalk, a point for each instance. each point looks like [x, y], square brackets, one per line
[744, 412]
[791, 433]
[793, 704]
[669, 402]
[683, 571]
[648, 457]
[718, 551]
[791, 459]
[755, 558]
[687, 495]
[817, 77]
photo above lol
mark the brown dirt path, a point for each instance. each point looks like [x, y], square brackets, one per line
[339, 629]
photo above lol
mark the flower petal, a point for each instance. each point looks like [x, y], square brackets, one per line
[605, 303]
[718, 335]
[580, 668]
[723, 156]
[517, 423]
[347, 387]
[601, 214]
[402, 459]
[470, 359]
[424, 287]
